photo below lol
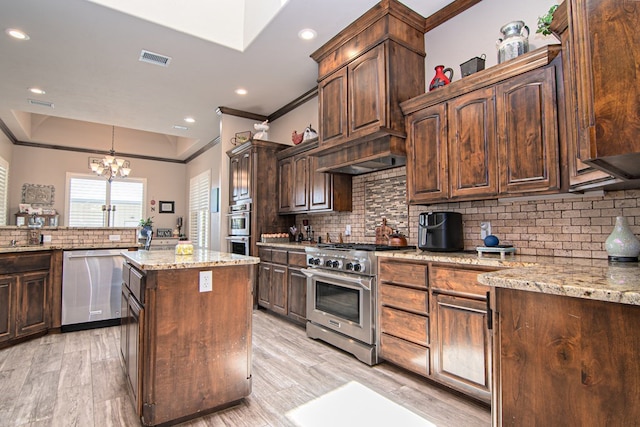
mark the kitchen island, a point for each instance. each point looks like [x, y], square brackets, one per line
[186, 332]
[566, 344]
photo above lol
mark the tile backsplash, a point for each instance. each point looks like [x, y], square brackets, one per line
[568, 225]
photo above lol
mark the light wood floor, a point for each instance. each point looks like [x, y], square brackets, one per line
[75, 379]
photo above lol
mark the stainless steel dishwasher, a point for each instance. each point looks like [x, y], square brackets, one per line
[91, 287]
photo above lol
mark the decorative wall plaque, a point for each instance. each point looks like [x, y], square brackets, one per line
[38, 195]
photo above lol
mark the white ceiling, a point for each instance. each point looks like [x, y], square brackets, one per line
[86, 58]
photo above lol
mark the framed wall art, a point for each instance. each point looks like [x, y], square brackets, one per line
[38, 195]
[167, 207]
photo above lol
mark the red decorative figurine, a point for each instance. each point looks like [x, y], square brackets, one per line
[440, 79]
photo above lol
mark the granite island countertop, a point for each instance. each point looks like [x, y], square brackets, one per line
[201, 258]
[66, 247]
[595, 279]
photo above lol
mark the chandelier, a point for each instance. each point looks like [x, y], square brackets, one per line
[111, 167]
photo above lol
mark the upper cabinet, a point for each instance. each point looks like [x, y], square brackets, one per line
[495, 133]
[364, 72]
[602, 73]
[303, 190]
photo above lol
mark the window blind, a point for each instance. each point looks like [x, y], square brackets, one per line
[199, 200]
[4, 184]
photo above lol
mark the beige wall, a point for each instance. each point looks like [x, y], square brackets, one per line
[165, 181]
[298, 119]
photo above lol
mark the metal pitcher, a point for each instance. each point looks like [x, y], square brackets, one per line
[515, 41]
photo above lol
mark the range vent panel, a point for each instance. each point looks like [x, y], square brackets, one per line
[154, 58]
[41, 103]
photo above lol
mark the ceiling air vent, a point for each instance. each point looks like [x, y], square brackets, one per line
[154, 58]
[41, 103]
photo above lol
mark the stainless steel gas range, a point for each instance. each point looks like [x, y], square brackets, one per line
[341, 296]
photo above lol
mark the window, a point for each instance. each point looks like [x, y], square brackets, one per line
[199, 199]
[4, 185]
[87, 194]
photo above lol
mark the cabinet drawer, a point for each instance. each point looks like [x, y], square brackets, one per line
[405, 298]
[126, 269]
[457, 281]
[297, 259]
[279, 256]
[264, 254]
[136, 284]
[403, 273]
[403, 353]
[409, 326]
[23, 262]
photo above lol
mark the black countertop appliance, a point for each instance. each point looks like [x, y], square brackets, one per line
[440, 232]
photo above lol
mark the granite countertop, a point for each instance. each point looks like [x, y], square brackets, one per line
[201, 258]
[595, 279]
[288, 245]
[47, 247]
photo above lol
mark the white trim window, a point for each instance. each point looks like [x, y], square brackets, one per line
[199, 216]
[87, 196]
[4, 190]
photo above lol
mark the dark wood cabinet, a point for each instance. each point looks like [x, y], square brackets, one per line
[403, 307]
[131, 331]
[493, 134]
[364, 72]
[565, 358]
[433, 321]
[282, 287]
[253, 178]
[473, 168]
[461, 350]
[302, 189]
[603, 44]
[25, 295]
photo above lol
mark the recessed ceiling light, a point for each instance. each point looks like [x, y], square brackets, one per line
[17, 34]
[241, 91]
[307, 34]
[178, 127]
[37, 90]
[189, 120]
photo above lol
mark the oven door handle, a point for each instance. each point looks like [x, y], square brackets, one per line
[362, 281]
[241, 238]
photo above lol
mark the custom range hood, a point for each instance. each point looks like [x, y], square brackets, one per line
[363, 156]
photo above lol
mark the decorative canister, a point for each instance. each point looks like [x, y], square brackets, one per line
[515, 41]
[622, 245]
[441, 79]
[184, 247]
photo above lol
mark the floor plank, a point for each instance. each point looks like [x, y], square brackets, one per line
[75, 379]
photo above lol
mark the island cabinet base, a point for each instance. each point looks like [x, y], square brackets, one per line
[565, 361]
[196, 346]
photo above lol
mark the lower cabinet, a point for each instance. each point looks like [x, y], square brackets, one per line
[24, 295]
[433, 321]
[131, 328]
[282, 287]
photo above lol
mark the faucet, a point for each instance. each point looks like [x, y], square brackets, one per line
[147, 244]
[13, 243]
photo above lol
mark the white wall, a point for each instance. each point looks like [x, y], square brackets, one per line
[298, 119]
[475, 32]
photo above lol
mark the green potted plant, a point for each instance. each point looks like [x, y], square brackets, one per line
[544, 21]
[146, 223]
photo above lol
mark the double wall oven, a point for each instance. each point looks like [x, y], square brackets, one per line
[239, 228]
[341, 297]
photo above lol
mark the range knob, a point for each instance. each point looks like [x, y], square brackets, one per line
[327, 263]
[349, 266]
[314, 261]
[357, 267]
[335, 264]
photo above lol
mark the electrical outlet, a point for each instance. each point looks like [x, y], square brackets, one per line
[485, 229]
[114, 237]
[46, 238]
[347, 230]
[205, 281]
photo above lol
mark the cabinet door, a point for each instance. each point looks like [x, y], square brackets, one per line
[32, 294]
[297, 298]
[332, 105]
[285, 185]
[427, 172]
[7, 307]
[135, 326]
[300, 183]
[367, 92]
[473, 171]
[244, 176]
[264, 284]
[279, 289]
[124, 322]
[528, 137]
[234, 173]
[461, 345]
[320, 187]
